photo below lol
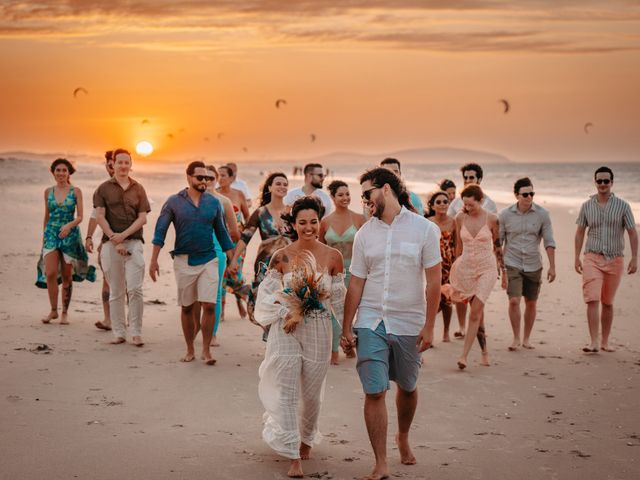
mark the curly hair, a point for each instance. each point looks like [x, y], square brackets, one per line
[335, 185]
[304, 203]
[432, 201]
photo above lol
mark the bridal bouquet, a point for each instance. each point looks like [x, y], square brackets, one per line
[305, 292]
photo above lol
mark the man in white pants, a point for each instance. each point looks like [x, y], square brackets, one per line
[121, 210]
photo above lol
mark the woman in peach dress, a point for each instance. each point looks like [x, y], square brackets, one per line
[477, 266]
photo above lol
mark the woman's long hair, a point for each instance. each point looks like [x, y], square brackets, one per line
[379, 176]
[265, 194]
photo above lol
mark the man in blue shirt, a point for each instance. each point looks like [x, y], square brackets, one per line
[197, 216]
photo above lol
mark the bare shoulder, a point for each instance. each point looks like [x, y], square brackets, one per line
[279, 259]
[358, 219]
[77, 190]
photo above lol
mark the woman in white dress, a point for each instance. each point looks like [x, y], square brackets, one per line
[303, 284]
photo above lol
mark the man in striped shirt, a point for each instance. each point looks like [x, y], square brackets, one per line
[604, 217]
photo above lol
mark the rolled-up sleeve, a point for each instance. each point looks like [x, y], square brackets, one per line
[358, 265]
[547, 232]
[162, 224]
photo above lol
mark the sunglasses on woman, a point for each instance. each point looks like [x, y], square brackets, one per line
[441, 202]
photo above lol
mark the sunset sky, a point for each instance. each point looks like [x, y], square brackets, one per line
[363, 76]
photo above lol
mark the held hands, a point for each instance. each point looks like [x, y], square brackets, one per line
[232, 268]
[551, 274]
[154, 270]
[425, 339]
[347, 342]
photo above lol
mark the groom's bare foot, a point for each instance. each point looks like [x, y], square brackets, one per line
[208, 359]
[53, 314]
[64, 319]
[305, 451]
[528, 346]
[295, 469]
[406, 455]
[118, 340]
[137, 341]
[607, 348]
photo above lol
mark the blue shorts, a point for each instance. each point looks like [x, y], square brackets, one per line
[383, 357]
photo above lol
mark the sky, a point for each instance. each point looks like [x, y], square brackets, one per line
[362, 76]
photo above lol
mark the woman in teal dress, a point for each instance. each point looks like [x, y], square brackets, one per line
[348, 223]
[267, 220]
[63, 258]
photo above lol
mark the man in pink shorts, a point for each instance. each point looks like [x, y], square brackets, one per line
[604, 217]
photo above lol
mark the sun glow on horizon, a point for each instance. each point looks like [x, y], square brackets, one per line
[144, 148]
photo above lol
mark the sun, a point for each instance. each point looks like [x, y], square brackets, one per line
[144, 148]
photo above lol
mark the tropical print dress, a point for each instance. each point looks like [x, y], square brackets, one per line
[71, 246]
[273, 237]
[447, 252]
[235, 283]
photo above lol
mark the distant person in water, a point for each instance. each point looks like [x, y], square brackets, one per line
[196, 215]
[314, 176]
[122, 206]
[522, 226]
[604, 218]
[105, 324]
[63, 258]
[393, 164]
[347, 223]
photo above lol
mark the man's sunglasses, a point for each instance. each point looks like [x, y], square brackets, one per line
[527, 194]
[600, 181]
[469, 177]
[202, 178]
[441, 202]
[366, 195]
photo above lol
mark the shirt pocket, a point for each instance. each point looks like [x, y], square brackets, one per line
[409, 254]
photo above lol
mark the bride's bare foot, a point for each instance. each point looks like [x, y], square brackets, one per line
[53, 314]
[118, 340]
[334, 358]
[484, 360]
[528, 346]
[514, 345]
[137, 341]
[305, 451]
[406, 455]
[379, 473]
[295, 469]
[64, 319]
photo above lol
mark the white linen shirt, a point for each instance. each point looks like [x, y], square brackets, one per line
[392, 259]
[297, 193]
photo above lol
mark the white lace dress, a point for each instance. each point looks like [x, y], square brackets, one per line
[295, 364]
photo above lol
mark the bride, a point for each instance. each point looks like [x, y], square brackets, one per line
[303, 284]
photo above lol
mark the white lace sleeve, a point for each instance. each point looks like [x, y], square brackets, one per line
[338, 292]
[268, 308]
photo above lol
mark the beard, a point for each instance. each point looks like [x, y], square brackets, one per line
[379, 208]
[201, 187]
[317, 185]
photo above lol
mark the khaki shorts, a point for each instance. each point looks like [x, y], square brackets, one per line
[195, 282]
[523, 284]
[601, 278]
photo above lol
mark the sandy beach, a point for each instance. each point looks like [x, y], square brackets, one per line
[82, 408]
